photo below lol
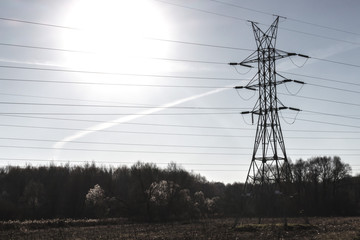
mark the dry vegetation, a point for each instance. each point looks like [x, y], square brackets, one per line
[319, 228]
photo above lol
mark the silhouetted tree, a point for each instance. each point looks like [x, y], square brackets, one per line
[321, 186]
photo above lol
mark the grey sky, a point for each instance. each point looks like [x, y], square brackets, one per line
[120, 40]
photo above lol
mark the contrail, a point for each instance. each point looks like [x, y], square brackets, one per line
[129, 118]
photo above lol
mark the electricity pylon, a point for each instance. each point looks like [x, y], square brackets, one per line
[269, 163]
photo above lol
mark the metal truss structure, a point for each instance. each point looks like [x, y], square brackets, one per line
[269, 163]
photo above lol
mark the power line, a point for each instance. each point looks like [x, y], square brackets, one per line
[118, 114]
[150, 75]
[200, 44]
[166, 145]
[332, 114]
[321, 78]
[329, 123]
[204, 11]
[129, 123]
[171, 125]
[65, 99]
[135, 107]
[333, 88]
[115, 84]
[323, 100]
[121, 143]
[129, 132]
[149, 85]
[167, 59]
[245, 20]
[72, 99]
[115, 106]
[320, 36]
[192, 8]
[288, 18]
[337, 62]
[168, 133]
[149, 38]
[145, 152]
[156, 114]
[155, 58]
[42, 48]
[137, 104]
[174, 41]
[38, 23]
[122, 162]
[118, 151]
[116, 73]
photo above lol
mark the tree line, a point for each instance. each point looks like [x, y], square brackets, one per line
[321, 186]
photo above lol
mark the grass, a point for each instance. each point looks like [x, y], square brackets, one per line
[219, 229]
[277, 226]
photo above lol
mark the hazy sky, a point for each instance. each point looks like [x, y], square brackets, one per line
[117, 82]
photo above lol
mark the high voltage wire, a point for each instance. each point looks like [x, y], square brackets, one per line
[115, 73]
[65, 99]
[333, 88]
[353, 65]
[329, 123]
[320, 78]
[122, 162]
[323, 100]
[111, 106]
[151, 85]
[76, 99]
[333, 115]
[337, 62]
[164, 125]
[115, 106]
[118, 114]
[200, 10]
[170, 59]
[118, 151]
[37, 23]
[166, 133]
[201, 44]
[121, 143]
[145, 75]
[146, 114]
[141, 107]
[129, 132]
[172, 41]
[117, 84]
[43, 48]
[246, 20]
[155, 58]
[167, 145]
[72, 28]
[153, 114]
[154, 39]
[149, 152]
[288, 18]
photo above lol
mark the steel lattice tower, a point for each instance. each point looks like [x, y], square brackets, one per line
[269, 163]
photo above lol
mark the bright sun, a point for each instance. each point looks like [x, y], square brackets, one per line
[117, 33]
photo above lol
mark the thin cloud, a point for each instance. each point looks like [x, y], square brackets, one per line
[129, 118]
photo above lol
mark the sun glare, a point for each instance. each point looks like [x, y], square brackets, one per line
[116, 33]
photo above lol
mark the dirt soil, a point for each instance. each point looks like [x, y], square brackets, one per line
[209, 229]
